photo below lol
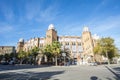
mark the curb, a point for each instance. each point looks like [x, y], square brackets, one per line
[113, 72]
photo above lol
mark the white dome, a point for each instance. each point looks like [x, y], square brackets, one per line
[51, 26]
[85, 29]
[21, 40]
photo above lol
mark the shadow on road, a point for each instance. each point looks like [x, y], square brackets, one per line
[29, 75]
[117, 69]
[93, 78]
[16, 67]
[96, 78]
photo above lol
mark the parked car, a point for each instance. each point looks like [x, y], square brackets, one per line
[4, 63]
[12, 62]
[93, 64]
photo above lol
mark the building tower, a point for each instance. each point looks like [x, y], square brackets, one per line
[51, 34]
[20, 45]
[87, 44]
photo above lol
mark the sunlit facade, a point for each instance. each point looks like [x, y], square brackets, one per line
[7, 50]
[80, 47]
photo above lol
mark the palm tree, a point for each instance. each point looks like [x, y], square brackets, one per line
[67, 51]
[56, 50]
[67, 56]
[48, 52]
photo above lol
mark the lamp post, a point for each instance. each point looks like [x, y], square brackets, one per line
[30, 60]
[64, 55]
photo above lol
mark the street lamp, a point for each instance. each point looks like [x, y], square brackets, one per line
[30, 59]
[64, 55]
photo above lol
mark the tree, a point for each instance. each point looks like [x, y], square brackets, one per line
[97, 49]
[67, 51]
[65, 56]
[34, 53]
[21, 56]
[106, 48]
[40, 55]
[7, 56]
[48, 52]
[56, 50]
[1, 57]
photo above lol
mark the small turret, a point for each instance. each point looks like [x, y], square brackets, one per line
[20, 44]
[85, 29]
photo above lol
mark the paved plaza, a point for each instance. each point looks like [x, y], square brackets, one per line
[31, 72]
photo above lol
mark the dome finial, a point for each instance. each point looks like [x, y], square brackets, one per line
[85, 29]
[21, 40]
[51, 26]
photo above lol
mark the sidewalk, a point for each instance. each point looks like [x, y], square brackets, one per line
[115, 69]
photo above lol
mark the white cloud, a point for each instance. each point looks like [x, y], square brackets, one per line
[48, 14]
[105, 26]
[7, 12]
[74, 29]
[36, 11]
[32, 10]
[6, 28]
[9, 43]
[111, 22]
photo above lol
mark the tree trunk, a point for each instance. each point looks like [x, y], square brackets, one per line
[21, 61]
[55, 60]
[107, 57]
[39, 61]
[34, 60]
[48, 59]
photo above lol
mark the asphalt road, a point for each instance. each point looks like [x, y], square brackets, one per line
[28, 72]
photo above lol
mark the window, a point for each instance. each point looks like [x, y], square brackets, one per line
[48, 36]
[73, 43]
[79, 44]
[66, 43]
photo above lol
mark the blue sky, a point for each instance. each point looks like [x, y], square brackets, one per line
[31, 18]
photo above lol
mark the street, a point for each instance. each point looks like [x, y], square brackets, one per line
[31, 72]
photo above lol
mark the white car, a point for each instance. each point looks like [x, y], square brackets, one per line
[93, 64]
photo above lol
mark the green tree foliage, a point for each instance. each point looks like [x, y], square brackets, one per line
[67, 51]
[56, 49]
[34, 52]
[22, 55]
[1, 57]
[48, 52]
[7, 56]
[106, 47]
[97, 49]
